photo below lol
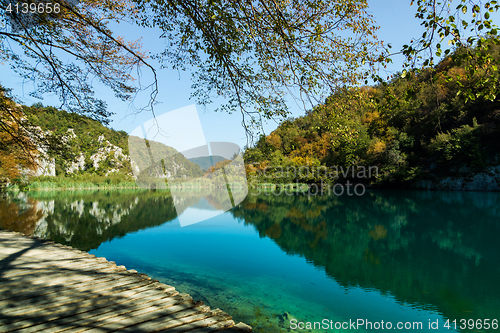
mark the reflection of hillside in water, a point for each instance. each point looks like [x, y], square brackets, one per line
[427, 248]
[21, 214]
[85, 219]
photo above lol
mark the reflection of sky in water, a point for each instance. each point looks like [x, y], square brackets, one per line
[193, 215]
[200, 211]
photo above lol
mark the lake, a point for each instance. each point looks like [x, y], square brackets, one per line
[283, 262]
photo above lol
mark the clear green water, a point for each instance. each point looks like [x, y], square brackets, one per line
[396, 256]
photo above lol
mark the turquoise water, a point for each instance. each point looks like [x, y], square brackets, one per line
[276, 261]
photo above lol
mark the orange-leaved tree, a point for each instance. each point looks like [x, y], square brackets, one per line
[17, 149]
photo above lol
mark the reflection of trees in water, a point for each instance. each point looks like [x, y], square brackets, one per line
[19, 215]
[85, 219]
[435, 248]
[302, 219]
[378, 232]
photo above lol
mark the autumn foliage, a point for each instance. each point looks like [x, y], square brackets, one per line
[17, 151]
[412, 126]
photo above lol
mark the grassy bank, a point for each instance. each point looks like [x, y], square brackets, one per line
[78, 182]
[90, 182]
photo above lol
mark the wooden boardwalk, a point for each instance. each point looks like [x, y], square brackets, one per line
[47, 287]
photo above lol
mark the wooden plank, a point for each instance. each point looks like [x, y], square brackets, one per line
[101, 288]
[71, 263]
[16, 293]
[120, 298]
[49, 319]
[43, 259]
[44, 277]
[121, 291]
[59, 282]
[121, 322]
[50, 271]
[90, 305]
[40, 251]
[76, 320]
[19, 273]
[52, 256]
[171, 322]
[81, 264]
[187, 324]
[151, 322]
[47, 287]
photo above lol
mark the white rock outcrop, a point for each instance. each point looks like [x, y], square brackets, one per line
[46, 166]
[78, 164]
[106, 149]
[103, 150]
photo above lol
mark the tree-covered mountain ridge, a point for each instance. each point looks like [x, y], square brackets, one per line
[66, 144]
[425, 129]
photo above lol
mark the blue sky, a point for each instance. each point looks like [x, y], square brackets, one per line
[397, 26]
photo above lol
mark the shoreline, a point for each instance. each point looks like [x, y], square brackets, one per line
[478, 183]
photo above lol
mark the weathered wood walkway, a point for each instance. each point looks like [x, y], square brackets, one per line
[47, 287]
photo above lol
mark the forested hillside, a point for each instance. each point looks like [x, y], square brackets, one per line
[418, 126]
[44, 144]
[84, 137]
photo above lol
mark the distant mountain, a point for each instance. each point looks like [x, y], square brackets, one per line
[205, 162]
[172, 163]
